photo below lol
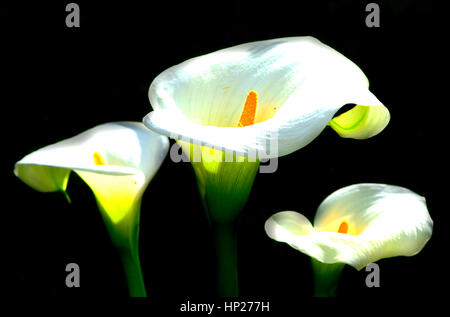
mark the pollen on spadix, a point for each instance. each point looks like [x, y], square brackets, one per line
[98, 159]
[249, 111]
[343, 228]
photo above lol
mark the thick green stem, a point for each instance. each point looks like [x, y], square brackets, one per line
[133, 272]
[226, 255]
[326, 277]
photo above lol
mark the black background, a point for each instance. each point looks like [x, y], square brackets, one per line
[60, 81]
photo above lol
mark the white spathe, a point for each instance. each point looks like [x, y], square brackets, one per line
[382, 220]
[301, 83]
[117, 160]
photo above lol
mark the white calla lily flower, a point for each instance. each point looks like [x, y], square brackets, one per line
[358, 225]
[291, 87]
[117, 161]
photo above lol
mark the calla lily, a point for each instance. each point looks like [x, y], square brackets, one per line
[256, 101]
[357, 225]
[117, 161]
[298, 85]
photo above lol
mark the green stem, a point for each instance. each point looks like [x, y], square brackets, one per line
[226, 253]
[133, 272]
[326, 277]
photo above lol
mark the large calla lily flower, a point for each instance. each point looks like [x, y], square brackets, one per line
[117, 161]
[231, 108]
[298, 85]
[358, 225]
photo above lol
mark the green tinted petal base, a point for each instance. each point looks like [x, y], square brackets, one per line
[125, 237]
[224, 181]
[326, 277]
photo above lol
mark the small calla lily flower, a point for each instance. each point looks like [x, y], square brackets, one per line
[357, 225]
[117, 161]
[256, 101]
